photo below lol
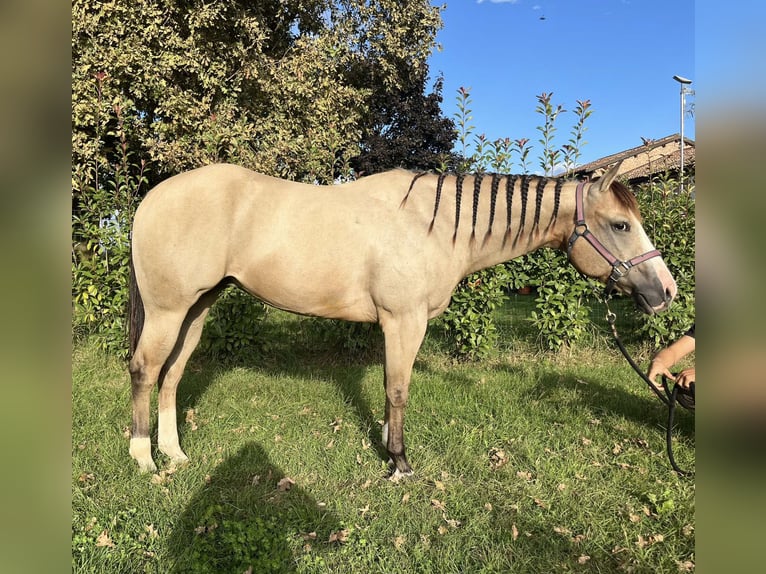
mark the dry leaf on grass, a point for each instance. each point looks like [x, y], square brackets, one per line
[285, 484]
[497, 458]
[340, 536]
[452, 523]
[103, 540]
[642, 542]
[190, 419]
[437, 504]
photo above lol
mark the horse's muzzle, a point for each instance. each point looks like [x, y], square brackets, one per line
[645, 305]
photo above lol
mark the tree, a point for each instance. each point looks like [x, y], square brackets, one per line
[407, 130]
[282, 86]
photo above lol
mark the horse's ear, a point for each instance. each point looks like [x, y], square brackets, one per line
[605, 181]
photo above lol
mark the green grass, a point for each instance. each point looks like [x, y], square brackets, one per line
[526, 462]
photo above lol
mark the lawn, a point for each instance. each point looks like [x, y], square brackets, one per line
[526, 462]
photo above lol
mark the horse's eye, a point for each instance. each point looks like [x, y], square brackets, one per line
[621, 226]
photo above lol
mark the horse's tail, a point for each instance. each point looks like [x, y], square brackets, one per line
[135, 310]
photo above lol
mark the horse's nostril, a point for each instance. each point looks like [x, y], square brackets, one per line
[669, 294]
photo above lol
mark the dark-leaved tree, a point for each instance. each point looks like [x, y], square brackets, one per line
[406, 129]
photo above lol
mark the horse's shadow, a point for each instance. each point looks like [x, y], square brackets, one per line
[248, 517]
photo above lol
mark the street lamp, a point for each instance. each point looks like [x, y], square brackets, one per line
[684, 90]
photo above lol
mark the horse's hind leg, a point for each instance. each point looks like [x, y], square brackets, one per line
[158, 339]
[190, 336]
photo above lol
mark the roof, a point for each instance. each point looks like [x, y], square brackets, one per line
[654, 156]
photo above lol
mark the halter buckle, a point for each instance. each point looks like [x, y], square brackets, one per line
[619, 270]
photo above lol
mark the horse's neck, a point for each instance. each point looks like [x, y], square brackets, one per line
[491, 219]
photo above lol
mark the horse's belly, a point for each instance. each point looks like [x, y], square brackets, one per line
[310, 284]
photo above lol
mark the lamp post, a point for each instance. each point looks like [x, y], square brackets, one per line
[684, 90]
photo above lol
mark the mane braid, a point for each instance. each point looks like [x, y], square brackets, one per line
[556, 201]
[525, 179]
[412, 184]
[458, 197]
[439, 184]
[509, 185]
[492, 203]
[477, 179]
[542, 182]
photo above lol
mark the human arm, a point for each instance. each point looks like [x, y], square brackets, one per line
[669, 356]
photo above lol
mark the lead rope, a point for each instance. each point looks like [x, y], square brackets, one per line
[669, 398]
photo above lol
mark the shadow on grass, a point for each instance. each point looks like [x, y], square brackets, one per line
[248, 518]
[599, 398]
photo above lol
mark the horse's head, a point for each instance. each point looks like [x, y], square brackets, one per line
[610, 244]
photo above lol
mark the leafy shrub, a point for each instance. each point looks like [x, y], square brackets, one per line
[345, 336]
[101, 250]
[670, 220]
[468, 319]
[232, 327]
[254, 544]
[561, 312]
[561, 315]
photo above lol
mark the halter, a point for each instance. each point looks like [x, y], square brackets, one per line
[619, 268]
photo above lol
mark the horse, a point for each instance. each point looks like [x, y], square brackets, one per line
[387, 248]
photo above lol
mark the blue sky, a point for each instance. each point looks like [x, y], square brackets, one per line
[619, 54]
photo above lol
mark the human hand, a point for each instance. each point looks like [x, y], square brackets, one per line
[656, 369]
[686, 378]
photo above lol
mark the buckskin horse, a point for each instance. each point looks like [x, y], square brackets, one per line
[388, 248]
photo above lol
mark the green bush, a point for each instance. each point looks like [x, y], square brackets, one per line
[232, 327]
[561, 313]
[101, 252]
[468, 320]
[669, 219]
[246, 545]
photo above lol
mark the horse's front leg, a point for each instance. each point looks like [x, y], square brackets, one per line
[403, 337]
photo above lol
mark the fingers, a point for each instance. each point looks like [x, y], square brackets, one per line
[656, 369]
[686, 378]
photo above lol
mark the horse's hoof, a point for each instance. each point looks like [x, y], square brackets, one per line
[178, 462]
[398, 475]
[141, 451]
[146, 466]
